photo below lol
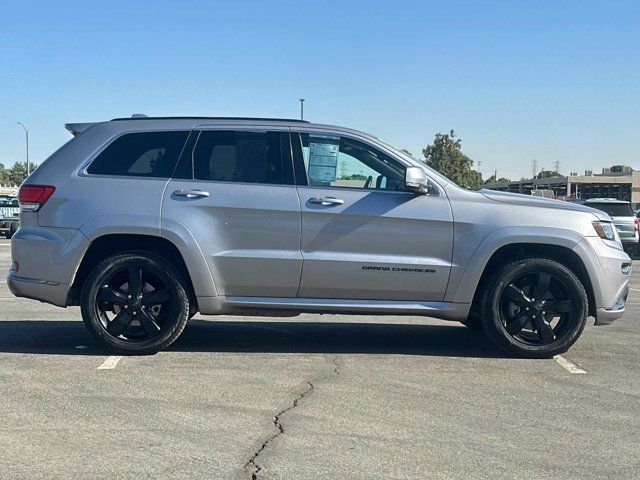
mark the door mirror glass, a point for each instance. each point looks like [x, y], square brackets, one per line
[415, 180]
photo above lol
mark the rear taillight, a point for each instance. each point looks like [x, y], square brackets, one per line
[636, 222]
[32, 197]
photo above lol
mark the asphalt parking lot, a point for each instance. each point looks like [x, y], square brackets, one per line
[314, 397]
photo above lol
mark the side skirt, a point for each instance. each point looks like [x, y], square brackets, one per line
[272, 306]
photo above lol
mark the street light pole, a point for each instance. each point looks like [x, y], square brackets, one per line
[302, 109]
[26, 132]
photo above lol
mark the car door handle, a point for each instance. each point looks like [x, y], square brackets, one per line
[326, 201]
[191, 193]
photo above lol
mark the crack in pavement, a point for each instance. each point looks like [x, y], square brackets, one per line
[252, 466]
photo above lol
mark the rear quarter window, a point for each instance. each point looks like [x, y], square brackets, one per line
[144, 154]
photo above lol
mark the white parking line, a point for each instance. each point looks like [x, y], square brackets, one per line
[110, 363]
[568, 365]
[634, 289]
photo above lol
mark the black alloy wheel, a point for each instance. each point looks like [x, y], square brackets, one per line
[534, 307]
[135, 303]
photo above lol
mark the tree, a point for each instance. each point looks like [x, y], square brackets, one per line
[547, 174]
[16, 174]
[492, 179]
[445, 156]
[620, 168]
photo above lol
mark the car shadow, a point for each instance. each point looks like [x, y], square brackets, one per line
[242, 336]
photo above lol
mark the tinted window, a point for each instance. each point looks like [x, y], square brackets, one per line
[150, 154]
[613, 209]
[334, 161]
[251, 157]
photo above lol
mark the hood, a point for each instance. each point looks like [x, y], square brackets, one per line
[531, 201]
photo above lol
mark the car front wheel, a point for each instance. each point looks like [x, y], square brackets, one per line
[135, 303]
[534, 307]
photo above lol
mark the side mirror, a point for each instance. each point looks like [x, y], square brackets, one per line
[415, 180]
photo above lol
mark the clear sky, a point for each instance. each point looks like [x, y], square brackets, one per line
[550, 80]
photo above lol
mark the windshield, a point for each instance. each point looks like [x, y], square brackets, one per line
[613, 209]
[407, 155]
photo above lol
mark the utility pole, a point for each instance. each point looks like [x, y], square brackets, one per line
[534, 167]
[302, 109]
[26, 132]
[556, 166]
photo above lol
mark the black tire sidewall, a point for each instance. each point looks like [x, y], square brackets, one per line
[175, 324]
[491, 318]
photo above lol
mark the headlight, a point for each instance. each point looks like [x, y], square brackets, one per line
[605, 230]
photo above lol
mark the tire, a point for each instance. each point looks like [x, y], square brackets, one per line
[12, 230]
[473, 322]
[530, 327]
[135, 303]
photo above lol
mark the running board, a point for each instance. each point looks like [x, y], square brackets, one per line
[231, 305]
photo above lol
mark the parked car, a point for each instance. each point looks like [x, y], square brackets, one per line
[9, 215]
[145, 221]
[623, 218]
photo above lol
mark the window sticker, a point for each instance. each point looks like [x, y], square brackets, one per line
[323, 158]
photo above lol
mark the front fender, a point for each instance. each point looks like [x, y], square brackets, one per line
[466, 275]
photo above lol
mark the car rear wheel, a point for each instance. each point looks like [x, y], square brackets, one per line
[135, 303]
[534, 308]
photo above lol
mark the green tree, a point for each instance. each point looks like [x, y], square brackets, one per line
[445, 156]
[18, 173]
[492, 179]
[620, 168]
[547, 174]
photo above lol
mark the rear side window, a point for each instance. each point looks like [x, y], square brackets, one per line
[613, 209]
[147, 154]
[248, 157]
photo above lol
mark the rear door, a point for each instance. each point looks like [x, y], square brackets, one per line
[363, 235]
[235, 193]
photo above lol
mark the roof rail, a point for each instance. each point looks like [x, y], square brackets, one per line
[144, 117]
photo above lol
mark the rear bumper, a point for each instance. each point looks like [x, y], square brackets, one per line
[44, 262]
[43, 290]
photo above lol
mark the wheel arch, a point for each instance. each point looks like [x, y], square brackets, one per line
[559, 253]
[562, 245]
[110, 244]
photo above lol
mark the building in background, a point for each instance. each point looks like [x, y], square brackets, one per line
[623, 185]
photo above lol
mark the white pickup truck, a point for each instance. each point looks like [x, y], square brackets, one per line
[9, 215]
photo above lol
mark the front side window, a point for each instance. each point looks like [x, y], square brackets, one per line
[334, 161]
[144, 154]
[244, 157]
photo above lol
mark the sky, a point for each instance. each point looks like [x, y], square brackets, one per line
[517, 81]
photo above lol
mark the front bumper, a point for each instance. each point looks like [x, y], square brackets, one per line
[610, 284]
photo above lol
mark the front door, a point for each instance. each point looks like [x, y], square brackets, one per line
[363, 235]
[234, 192]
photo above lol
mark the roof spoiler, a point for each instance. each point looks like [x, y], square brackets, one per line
[77, 128]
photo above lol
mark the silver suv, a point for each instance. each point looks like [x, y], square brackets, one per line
[145, 221]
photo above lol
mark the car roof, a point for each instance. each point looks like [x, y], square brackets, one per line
[138, 121]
